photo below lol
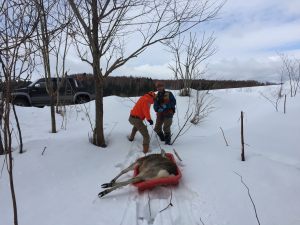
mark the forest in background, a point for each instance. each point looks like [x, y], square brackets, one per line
[128, 86]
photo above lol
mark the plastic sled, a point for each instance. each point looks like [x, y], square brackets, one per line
[172, 180]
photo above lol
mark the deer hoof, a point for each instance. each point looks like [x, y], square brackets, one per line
[106, 185]
[102, 193]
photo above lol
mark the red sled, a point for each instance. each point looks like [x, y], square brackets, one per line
[172, 180]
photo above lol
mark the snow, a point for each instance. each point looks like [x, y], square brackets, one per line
[60, 186]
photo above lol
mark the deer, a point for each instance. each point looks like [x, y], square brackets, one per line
[150, 167]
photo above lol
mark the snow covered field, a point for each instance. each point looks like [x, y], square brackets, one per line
[60, 186]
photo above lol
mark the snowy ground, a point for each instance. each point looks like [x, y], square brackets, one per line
[60, 186]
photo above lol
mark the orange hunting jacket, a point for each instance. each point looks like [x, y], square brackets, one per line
[142, 107]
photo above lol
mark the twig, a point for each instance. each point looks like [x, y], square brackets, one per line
[170, 203]
[44, 150]
[224, 136]
[149, 207]
[115, 124]
[178, 157]
[131, 100]
[4, 161]
[274, 103]
[181, 129]
[249, 196]
[202, 221]
[88, 116]
[155, 134]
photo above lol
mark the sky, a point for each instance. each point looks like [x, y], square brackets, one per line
[249, 36]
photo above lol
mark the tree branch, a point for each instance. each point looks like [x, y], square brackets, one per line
[248, 191]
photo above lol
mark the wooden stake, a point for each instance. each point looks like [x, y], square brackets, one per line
[224, 136]
[284, 109]
[242, 136]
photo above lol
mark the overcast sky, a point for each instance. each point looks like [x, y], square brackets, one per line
[249, 34]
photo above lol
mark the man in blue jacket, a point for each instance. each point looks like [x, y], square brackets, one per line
[164, 106]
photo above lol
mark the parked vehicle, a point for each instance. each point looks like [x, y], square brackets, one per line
[36, 94]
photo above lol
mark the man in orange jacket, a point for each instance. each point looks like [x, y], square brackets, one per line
[140, 111]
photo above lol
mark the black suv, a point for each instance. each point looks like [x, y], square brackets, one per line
[36, 93]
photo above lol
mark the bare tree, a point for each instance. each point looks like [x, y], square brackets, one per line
[52, 22]
[60, 50]
[188, 56]
[18, 21]
[43, 41]
[104, 29]
[203, 106]
[274, 96]
[291, 70]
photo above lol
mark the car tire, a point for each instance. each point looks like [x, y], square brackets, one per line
[21, 102]
[82, 99]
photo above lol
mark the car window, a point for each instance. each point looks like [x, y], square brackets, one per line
[40, 85]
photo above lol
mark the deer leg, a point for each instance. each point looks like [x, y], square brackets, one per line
[111, 183]
[120, 184]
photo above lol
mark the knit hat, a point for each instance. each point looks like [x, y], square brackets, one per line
[159, 84]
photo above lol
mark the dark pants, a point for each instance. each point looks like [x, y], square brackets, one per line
[163, 124]
[138, 125]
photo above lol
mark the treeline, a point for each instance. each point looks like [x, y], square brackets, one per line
[202, 84]
[136, 86]
[121, 86]
[15, 84]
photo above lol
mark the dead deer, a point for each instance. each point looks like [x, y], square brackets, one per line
[150, 167]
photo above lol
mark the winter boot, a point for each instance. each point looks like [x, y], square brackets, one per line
[130, 138]
[133, 132]
[168, 139]
[145, 148]
[161, 136]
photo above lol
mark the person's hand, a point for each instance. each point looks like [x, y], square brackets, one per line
[150, 122]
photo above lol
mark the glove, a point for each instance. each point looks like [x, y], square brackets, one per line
[164, 106]
[150, 122]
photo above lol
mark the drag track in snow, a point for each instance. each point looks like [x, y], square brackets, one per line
[163, 205]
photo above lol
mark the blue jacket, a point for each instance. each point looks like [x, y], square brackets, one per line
[164, 104]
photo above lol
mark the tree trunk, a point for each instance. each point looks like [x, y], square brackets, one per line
[1, 117]
[46, 61]
[19, 128]
[52, 109]
[11, 182]
[8, 149]
[1, 146]
[98, 136]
